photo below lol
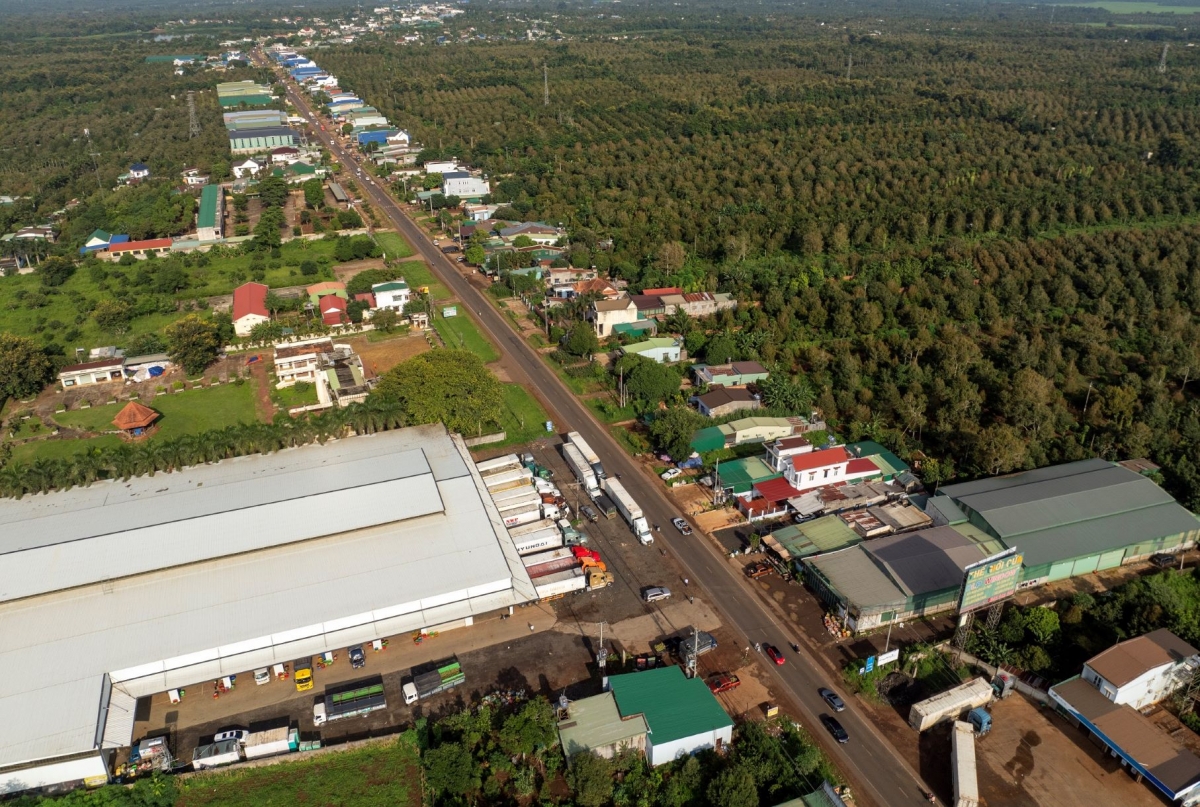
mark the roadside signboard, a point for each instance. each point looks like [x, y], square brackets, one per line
[889, 657]
[870, 664]
[990, 581]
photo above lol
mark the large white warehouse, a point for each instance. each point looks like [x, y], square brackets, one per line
[125, 589]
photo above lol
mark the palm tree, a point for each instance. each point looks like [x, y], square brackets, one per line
[14, 480]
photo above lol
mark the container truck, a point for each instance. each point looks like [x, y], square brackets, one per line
[950, 704]
[516, 484]
[214, 755]
[523, 515]
[507, 461]
[571, 535]
[576, 439]
[604, 505]
[545, 563]
[964, 774]
[580, 467]
[506, 478]
[517, 502]
[629, 510]
[351, 703]
[536, 526]
[446, 675]
[509, 494]
[271, 742]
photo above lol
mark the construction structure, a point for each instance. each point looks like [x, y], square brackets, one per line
[125, 589]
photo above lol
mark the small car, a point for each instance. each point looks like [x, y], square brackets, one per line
[774, 655]
[262, 676]
[723, 683]
[831, 697]
[231, 734]
[671, 473]
[357, 659]
[1163, 561]
[681, 525]
[656, 593]
[588, 513]
[757, 570]
[835, 728]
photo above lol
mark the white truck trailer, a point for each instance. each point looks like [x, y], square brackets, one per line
[505, 479]
[499, 496]
[508, 460]
[522, 515]
[214, 755]
[576, 439]
[629, 510]
[540, 541]
[271, 742]
[963, 771]
[531, 496]
[537, 526]
[950, 704]
[580, 467]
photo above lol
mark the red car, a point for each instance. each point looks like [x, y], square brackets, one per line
[774, 655]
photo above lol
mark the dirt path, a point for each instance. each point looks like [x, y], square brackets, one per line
[262, 389]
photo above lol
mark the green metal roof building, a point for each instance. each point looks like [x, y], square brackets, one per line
[209, 218]
[708, 439]
[739, 476]
[683, 716]
[1070, 520]
[824, 534]
[889, 464]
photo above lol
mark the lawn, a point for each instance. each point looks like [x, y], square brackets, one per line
[383, 775]
[523, 419]
[57, 449]
[393, 245]
[187, 412]
[417, 274]
[461, 332]
[302, 393]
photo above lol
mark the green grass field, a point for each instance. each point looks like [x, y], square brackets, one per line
[417, 274]
[187, 412]
[385, 775]
[393, 245]
[460, 332]
[1130, 7]
[524, 419]
[57, 449]
[290, 397]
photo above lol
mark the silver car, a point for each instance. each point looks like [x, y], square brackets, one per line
[656, 593]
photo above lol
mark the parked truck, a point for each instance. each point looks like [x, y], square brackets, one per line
[522, 515]
[571, 536]
[553, 586]
[530, 496]
[447, 675]
[604, 505]
[505, 479]
[268, 743]
[504, 487]
[507, 461]
[576, 439]
[225, 752]
[580, 467]
[964, 774]
[950, 704]
[629, 510]
[500, 497]
[552, 562]
[540, 541]
[304, 675]
[351, 703]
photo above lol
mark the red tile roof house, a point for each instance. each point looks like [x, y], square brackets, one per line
[333, 310]
[249, 307]
[138, 249]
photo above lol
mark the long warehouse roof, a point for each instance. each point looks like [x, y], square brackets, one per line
[234, 566]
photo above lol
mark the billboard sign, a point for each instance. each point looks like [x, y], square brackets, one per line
[889, 657]
[990, 581]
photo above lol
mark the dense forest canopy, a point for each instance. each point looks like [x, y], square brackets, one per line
[974, 236]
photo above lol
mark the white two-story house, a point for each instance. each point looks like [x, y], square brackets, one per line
[1142, 671]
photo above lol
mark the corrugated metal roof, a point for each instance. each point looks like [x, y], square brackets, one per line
[674, 706]
[944, 506]
[825, 534]
[1128, 660]
[856, 577]
[230, 614]
[595, 723]
[925, 561]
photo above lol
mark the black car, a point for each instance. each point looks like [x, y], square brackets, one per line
[1163, 561]
[831, 697]
[357, 659]
[835, 728]
[589, 513]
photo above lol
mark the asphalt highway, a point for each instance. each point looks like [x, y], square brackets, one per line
[874, 769]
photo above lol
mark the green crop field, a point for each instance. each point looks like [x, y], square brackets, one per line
[461, 332]
[1130, 7]
[523, 418]
[393, 245]
[384, 775]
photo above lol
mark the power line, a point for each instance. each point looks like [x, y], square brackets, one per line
[1162, 60]
[193, 119]
[545, 85]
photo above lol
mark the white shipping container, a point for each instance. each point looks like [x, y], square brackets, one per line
[579, 466]
[556, 585]
[512, 493]
[271, 742]
[505, 477]
[965, 774]
[514, 484]
[538, 541]
[517, 502]
[515, 517]
[537, 526]
[950, 704]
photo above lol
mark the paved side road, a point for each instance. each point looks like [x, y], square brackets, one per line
[878, 773]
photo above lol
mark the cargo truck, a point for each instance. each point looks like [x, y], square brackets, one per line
[352, 703]
[271, 742]
[629, 510]
[553, 586]
[514, 484]
[604, 505]
[512, 494]
[304, 676]
[580, 467]
[447, 675]
[507, 461]
[571, 536]
[576, 439]
[552, 562]
[529, 497]
[540, 541]
[506, 478]
[950, 704]
[214, 755]
[523, 515]
[536, 526]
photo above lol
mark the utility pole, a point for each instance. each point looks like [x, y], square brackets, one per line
[1162, 60]
[545, 85]
[193, 120]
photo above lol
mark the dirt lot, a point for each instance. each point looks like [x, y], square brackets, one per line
[379, 357]
[1033, 757]
[345, 271]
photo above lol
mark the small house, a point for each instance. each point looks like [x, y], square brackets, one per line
[249, 307]
[660, 349]
[135, 421]
[682, 716]
[138, 172]
[721, 401]
[395, 294]
[92, 372]
[1144, 670]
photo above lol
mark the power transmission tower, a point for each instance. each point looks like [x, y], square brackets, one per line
[1162, 60]
[545, 85]
[193, 120]
[95, 165]
[849, 64]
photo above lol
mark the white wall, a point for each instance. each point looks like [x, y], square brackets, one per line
[53, 773]
[1150, 687]
[668, 752]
